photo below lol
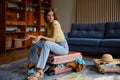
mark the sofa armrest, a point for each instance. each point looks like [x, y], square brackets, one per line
[66, 34]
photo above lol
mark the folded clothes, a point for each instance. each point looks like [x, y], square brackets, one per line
[79, 61]
[77, 65]
[31, 71]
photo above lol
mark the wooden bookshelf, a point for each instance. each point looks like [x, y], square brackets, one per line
[19, 18]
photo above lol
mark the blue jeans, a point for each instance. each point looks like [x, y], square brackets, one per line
[59, 48]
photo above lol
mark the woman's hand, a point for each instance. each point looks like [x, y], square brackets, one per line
[36, 39]
[27, 37]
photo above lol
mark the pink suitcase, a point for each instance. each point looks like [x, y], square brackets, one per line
[56, 70]
[55, 59]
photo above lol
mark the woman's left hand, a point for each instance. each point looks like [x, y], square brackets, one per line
[36, 39]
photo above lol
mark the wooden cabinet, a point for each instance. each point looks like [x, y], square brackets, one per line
[35, 16]
[19, 18]
[15, 23]
[2, 26]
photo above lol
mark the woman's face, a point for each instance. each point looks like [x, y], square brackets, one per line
[50, 16]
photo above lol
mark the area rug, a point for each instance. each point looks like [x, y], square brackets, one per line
[12, 71]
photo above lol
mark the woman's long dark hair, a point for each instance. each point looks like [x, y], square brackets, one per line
[47, 10]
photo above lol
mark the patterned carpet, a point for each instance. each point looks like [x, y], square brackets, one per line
[13, 72]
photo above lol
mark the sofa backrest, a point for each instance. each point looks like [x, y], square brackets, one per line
[87, 30]
[112, 30]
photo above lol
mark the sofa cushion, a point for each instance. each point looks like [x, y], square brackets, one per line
[112, 30]
[83, 41]
[87, 30]
[110, 42]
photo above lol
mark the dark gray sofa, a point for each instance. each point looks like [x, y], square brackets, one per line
[97, 39]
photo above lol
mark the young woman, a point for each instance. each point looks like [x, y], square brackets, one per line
[53, 41]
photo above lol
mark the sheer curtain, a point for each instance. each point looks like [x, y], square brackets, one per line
[93, 11]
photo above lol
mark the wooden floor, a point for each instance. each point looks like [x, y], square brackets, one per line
[13, 55]
[18, 54]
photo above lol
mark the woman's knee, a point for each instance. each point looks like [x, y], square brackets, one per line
[47, 43]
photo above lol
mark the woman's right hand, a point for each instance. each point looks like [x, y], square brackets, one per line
[36, 39]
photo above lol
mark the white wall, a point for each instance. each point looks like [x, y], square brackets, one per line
[65, 10]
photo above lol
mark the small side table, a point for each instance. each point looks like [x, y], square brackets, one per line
[106, 67]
